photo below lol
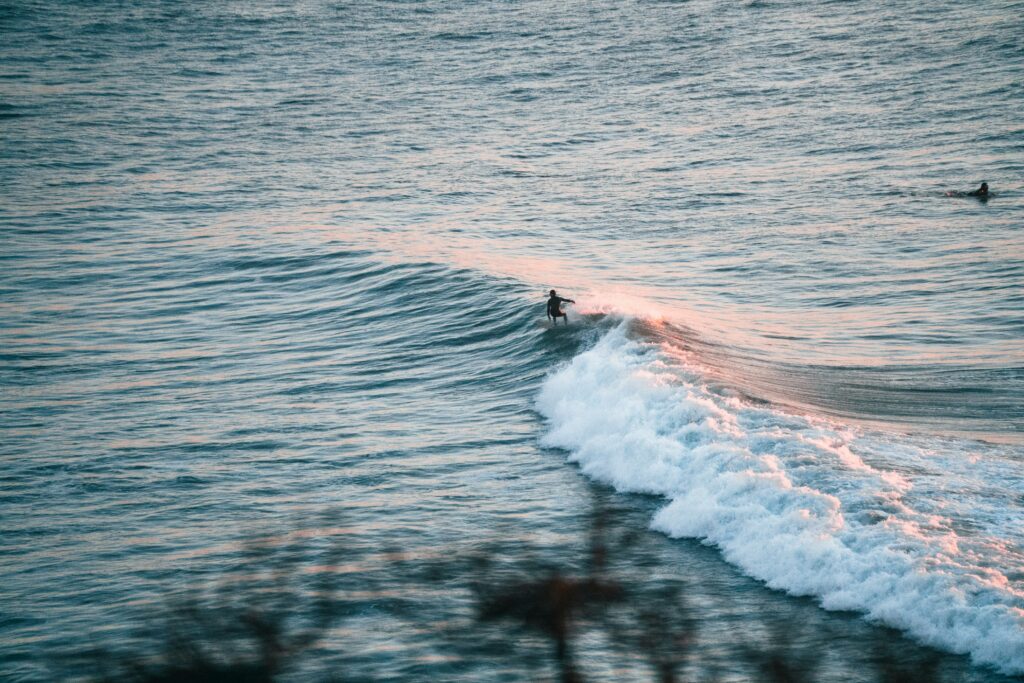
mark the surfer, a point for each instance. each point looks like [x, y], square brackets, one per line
[555, 308]
[980, 192]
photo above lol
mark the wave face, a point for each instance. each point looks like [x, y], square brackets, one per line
[923, 536]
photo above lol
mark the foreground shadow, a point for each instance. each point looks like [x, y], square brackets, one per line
[514, 611]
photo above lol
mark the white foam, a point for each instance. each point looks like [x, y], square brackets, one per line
[793, 500]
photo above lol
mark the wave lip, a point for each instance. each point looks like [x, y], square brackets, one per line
[798, 502]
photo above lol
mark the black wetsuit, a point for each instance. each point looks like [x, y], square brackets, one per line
[555, 307]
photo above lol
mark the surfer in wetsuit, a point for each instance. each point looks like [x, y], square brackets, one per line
[555, 308]
[980, 192]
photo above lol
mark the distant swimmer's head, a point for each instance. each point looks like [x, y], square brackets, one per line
[552, 292]
[980, 192]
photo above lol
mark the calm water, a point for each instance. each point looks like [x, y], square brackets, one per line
[267, 260]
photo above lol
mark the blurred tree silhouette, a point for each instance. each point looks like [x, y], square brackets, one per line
[285, 594]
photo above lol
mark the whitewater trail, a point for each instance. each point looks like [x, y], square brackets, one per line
[795, 500]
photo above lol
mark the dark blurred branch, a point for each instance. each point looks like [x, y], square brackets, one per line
[501, 604]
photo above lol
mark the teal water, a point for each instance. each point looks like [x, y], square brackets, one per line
[264, 260]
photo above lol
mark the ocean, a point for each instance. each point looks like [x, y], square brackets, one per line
[266, 261]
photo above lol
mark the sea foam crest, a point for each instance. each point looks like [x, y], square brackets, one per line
[789, 499]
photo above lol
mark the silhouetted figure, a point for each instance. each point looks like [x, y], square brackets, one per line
[555, 308]
[980, 192]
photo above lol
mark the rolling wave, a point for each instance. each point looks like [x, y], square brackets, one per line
[908, 531]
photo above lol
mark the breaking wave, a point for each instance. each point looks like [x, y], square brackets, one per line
[916, 533]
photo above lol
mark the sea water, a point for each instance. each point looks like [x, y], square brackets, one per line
[264, 260]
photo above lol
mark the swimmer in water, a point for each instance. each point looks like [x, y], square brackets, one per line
[980, 192]
[555, 308]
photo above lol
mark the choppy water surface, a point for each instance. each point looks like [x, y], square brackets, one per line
[261, 261]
